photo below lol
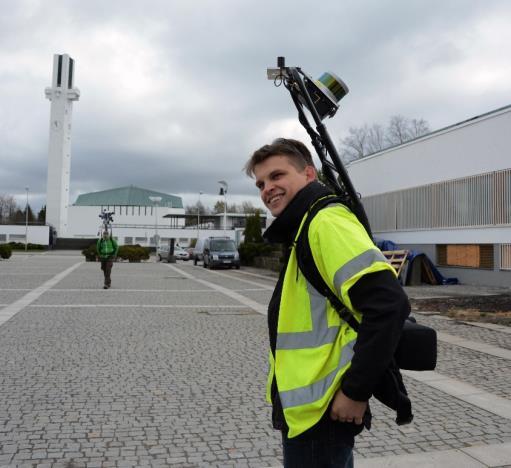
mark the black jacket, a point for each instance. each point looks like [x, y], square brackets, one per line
[378, 296]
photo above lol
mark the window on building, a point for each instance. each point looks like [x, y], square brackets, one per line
[465, 255]
[128, 241]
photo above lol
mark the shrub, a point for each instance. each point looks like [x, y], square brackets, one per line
[90, 253]
[5, 251]
[250, 250]
[21, 246]
[133, 253]
[253, 231]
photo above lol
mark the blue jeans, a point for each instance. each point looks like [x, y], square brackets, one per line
[324, 452]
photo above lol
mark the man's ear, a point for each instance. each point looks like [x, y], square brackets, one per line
[310, 173]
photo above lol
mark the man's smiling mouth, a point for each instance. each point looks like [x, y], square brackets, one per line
[274, 198]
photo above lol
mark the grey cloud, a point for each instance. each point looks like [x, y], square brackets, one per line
[174, 94]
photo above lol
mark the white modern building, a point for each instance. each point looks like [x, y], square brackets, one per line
[142, 216]
[447, 194]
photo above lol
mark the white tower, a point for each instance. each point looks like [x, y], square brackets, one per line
[61, 94]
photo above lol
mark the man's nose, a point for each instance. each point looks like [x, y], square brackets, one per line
[268, 187]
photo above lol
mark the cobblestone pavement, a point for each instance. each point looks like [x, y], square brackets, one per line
[163, 370]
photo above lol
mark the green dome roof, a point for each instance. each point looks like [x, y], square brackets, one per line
[127, 196]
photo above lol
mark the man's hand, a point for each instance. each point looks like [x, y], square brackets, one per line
[345, 409]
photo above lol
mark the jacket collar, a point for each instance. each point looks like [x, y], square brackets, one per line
[287, 223]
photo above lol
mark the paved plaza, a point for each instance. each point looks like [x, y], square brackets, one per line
[168, 368]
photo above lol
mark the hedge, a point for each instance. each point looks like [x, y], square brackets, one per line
[133, 253]
[21, 246]
[250, 250]
[5, 251]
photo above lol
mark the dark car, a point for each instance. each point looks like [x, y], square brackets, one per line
[220, 252]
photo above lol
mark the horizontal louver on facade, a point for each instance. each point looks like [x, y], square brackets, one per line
[482, 200]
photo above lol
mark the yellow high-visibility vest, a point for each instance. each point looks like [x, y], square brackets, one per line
[314, 347]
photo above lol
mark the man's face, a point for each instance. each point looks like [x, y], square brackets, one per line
[105, 235]
[278, 181]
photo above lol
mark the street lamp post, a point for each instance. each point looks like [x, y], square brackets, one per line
[26, 222]
[198, 217]
[156, 200]
[223, 191]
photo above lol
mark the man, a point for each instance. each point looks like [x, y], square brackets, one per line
[107, 251]
[322, 373]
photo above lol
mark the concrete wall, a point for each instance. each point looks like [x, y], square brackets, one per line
[16, 233]
[475, 147]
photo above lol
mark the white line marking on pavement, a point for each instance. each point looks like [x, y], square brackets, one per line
[234, 295]
[130, 290]
[494, 455]
[264, 286]
[477, 456]
[474, 345]
[7, 312]
[464, 391]
[269, 278]
[147, 306]
[490, 326]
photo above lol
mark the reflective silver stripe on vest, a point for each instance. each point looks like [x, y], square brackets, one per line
[320, 334]
[351, 268]
[310, 393]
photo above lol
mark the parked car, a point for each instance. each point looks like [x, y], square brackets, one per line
[162, 252]
[220, 252]
[197, 251]
[179, 253]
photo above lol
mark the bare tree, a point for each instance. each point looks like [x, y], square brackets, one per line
[354, 146]
[248, 208]
[197, 206]
[375, 139]
[8, 207]
[366, 140]
[418, 127]
[398, 130]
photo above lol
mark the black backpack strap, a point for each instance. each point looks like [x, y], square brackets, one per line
[308, 268]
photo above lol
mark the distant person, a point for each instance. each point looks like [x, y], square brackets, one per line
[322, 372]
[107, 252]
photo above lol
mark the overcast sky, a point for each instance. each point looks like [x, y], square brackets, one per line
[174, 95]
